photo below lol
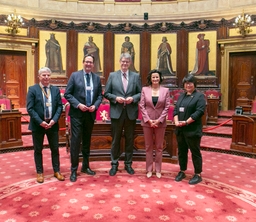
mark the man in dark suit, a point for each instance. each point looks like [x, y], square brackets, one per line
[123, 90]
[44, 107]
[84, 93]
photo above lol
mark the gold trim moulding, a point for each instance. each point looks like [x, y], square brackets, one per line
[4, 38]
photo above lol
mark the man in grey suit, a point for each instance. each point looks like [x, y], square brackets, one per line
[123, 90]
[84, 93]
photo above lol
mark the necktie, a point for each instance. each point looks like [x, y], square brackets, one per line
[88, 91]
[125, 81]
[46, 104]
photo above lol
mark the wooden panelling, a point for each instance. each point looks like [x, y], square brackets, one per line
[101, 143]
[10, 130]
[244, 133]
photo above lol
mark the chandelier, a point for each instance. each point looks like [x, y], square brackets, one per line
[13, 22]
[243, 23]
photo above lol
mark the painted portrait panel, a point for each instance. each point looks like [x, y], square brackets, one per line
[163, 53]
[53, 50]
[128, 43]
[91, 44]
[202, 53]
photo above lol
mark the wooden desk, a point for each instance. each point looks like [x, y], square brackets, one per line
[101, 143]
[10, 130]
[244, 133]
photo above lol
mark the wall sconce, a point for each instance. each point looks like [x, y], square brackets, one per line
[243, 22]
[14, 22]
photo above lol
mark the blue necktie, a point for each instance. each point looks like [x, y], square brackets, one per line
[88, 91]
[47, 114]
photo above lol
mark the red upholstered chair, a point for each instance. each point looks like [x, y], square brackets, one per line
[212, 93]
[175, 91]
[175, 97]
[68, 131]
[5, 104]
[253, 111]
[170, 113]
[63, 99]
[103, 112]
[171, 100]
[139, 113]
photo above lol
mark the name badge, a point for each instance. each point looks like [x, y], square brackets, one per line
[181, 109]
[88, 88]
[48, 104]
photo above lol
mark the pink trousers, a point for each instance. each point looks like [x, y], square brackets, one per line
[154, 140]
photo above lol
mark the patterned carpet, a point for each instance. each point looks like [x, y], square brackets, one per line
[227, 192]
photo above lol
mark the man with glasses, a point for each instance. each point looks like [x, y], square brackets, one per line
[123, 90]
[84, 93]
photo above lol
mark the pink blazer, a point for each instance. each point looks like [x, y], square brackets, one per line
[149, 111]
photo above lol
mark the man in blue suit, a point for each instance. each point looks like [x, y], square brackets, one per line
[44, 107]
[123, 90]
[84, 93]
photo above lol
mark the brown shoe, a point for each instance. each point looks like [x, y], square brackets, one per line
[40, 178]
[59, 176]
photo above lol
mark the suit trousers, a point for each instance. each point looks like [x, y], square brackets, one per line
[192, 143]
[81, 130]
[118, 126]
[154, 139]
[53, 139]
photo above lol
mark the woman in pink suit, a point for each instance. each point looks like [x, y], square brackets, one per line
[154, 106]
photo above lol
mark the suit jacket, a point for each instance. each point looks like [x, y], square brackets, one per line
[114, 88]
[194, 109]
[35, 107]
[75, 93]
[149, 111]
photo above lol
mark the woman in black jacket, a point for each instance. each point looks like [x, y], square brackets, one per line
[187, 114]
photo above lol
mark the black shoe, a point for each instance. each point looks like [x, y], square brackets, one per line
[88, 171]
[195, 180]
[73, 176]
[113, 170]
[129, 169]
[181, 175]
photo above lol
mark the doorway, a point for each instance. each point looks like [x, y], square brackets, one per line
[13, 78]
[242, 78]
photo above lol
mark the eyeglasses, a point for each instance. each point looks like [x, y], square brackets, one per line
[125, 61]
[88, 62]
[189, 83]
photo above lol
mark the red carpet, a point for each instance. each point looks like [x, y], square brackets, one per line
[227, 192]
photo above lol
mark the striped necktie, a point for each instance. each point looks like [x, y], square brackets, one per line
[125, 81]
[46, 103]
